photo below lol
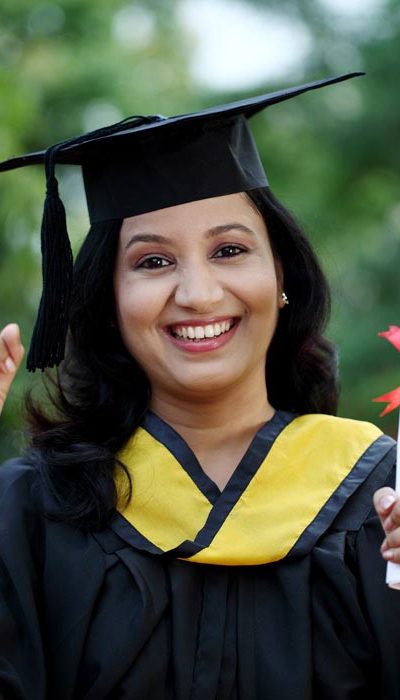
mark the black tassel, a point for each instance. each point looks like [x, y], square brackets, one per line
[49, 336]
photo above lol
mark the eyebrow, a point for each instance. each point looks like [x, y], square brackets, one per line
[211, 233]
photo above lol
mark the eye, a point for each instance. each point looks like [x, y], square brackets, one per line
[229, 251]
[154, 262]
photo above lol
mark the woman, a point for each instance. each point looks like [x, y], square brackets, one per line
[193, 522]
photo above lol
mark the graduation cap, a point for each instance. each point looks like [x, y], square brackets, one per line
[135, 166]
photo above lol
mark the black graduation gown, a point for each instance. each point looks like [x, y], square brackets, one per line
[111, 615]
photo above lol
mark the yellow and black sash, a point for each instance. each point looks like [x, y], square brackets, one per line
[294, 479]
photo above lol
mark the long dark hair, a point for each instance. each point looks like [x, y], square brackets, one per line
[301, 363]
[100, 393]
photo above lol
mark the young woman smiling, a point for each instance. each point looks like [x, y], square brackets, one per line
[191, 521]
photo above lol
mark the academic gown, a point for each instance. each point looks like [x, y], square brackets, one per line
[273, 589]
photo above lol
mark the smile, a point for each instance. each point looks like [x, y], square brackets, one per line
[210, 330]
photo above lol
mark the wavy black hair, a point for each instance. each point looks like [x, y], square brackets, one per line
[301, 367]
[100, 393]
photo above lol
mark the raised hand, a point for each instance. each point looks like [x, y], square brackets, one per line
[11, 354]
[387, 505]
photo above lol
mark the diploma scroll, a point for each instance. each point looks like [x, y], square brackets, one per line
[392, 398]
[393, 570]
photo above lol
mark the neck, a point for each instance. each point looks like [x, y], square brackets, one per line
[204, 424]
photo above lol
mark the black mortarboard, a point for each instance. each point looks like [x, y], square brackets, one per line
[139, 165]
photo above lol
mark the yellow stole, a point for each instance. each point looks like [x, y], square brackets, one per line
[309, 461]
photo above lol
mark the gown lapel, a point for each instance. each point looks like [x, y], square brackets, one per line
[288, 488]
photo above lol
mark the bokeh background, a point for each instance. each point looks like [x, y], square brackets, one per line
[333, 157]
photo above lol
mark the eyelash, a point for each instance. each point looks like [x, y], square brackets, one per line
[231, 247]
[153, 262]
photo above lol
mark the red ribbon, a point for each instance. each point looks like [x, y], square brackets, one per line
[392, 335]
[392, 397]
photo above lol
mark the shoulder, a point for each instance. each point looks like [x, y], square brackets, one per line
[336, 427]
[363, 455]
[30, 538]
[340, 463]
[21, 502]
[18, 476]
[19, 469]
[339, 438]
[349, 459]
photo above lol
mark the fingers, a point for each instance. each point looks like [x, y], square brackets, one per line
[384, 500]
[11, 354]
[387, 505]
[11, 350]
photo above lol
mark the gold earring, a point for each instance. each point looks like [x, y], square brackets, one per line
[284, 298]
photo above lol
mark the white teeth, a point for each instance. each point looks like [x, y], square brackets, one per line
[199, 332]
[211, 330]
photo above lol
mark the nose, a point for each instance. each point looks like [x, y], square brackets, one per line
[199, 287]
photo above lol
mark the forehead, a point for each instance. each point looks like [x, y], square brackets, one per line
[196, 217]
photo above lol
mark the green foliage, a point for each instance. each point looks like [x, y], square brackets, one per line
[74, 65]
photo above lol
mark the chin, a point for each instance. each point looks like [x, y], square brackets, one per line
[206, 386]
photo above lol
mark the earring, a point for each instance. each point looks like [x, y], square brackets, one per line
[284, 298]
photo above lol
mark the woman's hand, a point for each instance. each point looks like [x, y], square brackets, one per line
[11, 354]
[387, 505]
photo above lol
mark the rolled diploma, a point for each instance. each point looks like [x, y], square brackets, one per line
[393, 570]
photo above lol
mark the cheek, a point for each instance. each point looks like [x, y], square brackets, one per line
[131, 307]
[136, 308]
[260, 292]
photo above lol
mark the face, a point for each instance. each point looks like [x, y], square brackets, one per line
[197, 295]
